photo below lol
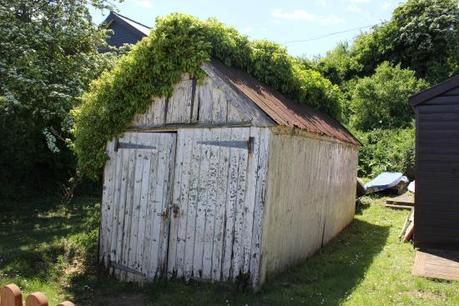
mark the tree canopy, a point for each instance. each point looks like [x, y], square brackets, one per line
[48, 56]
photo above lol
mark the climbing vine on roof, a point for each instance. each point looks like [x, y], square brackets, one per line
[181, 44]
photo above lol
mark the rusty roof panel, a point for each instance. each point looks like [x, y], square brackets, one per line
[281, 110]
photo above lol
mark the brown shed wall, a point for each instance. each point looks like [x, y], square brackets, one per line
[437, 172]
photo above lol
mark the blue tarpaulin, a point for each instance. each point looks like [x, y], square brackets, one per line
[383, 181]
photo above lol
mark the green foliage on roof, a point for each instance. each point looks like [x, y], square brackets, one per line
[181, 44]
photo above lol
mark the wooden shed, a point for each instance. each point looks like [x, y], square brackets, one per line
[224, 180]
[436, 215]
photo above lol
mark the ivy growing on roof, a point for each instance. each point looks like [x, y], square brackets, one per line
[181, 44]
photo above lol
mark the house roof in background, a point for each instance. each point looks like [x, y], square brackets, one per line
[141, 28]
[280, 109]
[434, 91]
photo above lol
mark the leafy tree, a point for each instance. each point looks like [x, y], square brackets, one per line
[381, 101]
[422, 35]
[48, 56]
[338, 65]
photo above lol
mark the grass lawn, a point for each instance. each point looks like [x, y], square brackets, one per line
[52, 248]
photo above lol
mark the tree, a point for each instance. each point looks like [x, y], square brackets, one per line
[422, 35]
[48, 56]
[381, 101]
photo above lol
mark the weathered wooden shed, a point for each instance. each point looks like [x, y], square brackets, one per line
[224, 180]
[436, 216]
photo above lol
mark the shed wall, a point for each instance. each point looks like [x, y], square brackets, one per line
[310, 198]
[437, 172]
[210, 102]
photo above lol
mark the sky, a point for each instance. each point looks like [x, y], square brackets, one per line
[299, 25]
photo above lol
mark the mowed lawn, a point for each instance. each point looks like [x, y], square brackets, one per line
[52, 248]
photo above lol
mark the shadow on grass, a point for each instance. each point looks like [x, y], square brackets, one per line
[326, 278]
[28, 248]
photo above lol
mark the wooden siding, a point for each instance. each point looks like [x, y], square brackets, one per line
[437, 172]
[218, 203]
[211, 102]
[310, 198]
[133, 237]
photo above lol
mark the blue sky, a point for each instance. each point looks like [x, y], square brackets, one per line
[279, 21]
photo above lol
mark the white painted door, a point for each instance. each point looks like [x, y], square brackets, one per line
[215, 215]
[135, 209]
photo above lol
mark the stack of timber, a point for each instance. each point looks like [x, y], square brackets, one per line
[404, 201]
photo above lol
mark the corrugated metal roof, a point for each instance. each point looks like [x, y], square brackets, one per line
[281, 110]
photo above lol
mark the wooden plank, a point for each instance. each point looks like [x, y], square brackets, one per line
[202, 197]
[136, 204]
[249, 205]
[107, 202]
[168, 160]
[438, 264]
[222, 186]
[183, 202]
[196, 135]
[205, 100]
[210, 184]
[406, 199]
[175, 220]
[144, 192]
[238, 252]
[261, 175]
[179, 104]
[149, 246]
[125, 240]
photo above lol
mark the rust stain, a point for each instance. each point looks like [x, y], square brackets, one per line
[280, 109]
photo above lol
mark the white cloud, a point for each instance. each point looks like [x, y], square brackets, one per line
[303, 15]
[145, 3]
[360, 1]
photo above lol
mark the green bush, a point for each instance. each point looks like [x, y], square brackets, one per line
[386, 150]
[381, 100]
[181, 44]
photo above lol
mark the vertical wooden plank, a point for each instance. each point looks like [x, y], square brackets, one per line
[143, 203]
[175, 217]
[10, 295]
[116, 207]
[262, 171]
[36, 299]
[157, 213]
[196, 135]
[249, 203]
[220, 205]
[231, 200]
[168, 160]
[205, 100]
[219, 106]
[136, 204]
[210, 184]
[107, 202]
[183, 236]
[240, 207]
[151, 211]
[179, 104]
[120, 213]
[202, 197]
[125, 225]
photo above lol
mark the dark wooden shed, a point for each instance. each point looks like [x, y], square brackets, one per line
[437, 166]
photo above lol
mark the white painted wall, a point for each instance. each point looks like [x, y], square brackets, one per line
[310, 198]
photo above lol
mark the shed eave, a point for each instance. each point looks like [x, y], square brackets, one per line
[432, 92]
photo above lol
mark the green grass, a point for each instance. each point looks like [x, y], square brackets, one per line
[52, 248]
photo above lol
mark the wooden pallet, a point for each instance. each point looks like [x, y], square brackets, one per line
[440, 264]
